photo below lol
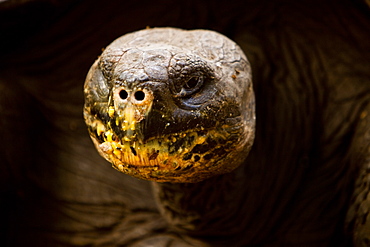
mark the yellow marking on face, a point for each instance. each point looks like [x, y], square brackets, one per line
[201, 139]
[154, 153]
[129, 119]
[111, 111]
[100, 129]
[114, 145]
[133, 123]
[109, 136]
[158, 158]
[117, 153]
[120, 167]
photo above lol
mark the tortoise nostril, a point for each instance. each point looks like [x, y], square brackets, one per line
[139, 95]
[123, 94]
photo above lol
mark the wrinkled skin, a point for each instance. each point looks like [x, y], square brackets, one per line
[171, 105]
[305, 177]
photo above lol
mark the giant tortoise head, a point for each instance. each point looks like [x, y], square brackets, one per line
[171, 105]
[177, 107]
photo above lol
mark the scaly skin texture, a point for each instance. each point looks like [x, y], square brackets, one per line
[310, 66]
[171, 105]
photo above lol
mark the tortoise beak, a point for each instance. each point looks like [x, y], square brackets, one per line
[130, 107]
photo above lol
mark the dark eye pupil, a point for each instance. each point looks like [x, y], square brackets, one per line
[192, 83]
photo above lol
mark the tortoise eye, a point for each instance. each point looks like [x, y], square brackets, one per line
[191, 86]
[191, 83]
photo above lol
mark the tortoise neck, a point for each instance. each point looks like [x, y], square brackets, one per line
[187, 205]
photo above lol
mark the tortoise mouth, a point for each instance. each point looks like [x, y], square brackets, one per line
[189, 156]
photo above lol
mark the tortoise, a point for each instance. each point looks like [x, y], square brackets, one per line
[304, 178]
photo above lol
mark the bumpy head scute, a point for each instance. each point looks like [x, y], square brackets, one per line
[170, 105]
